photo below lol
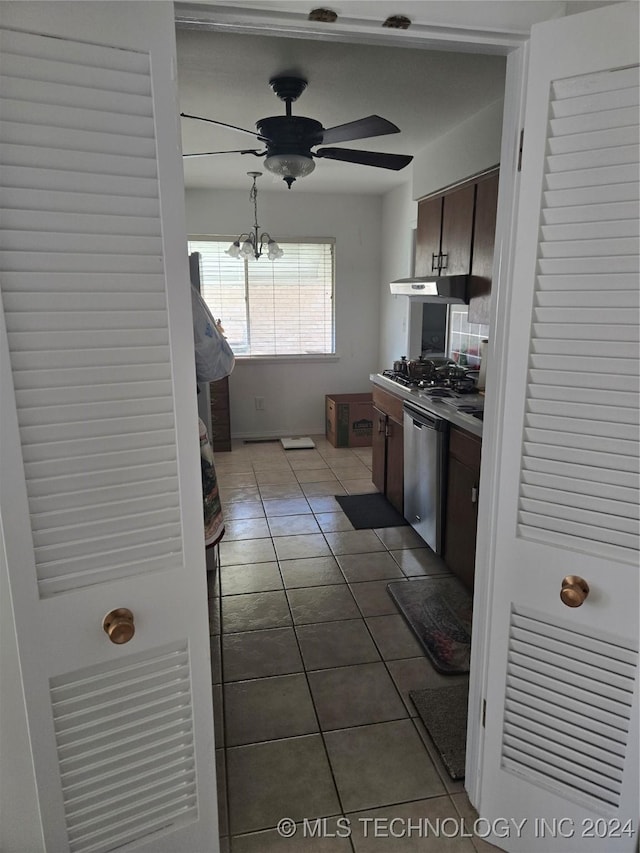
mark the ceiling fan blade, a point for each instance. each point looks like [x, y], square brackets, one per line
[238, 151]
[363, 128]
[366, 158]
[224, 124]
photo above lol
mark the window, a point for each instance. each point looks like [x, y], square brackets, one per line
[271, 308]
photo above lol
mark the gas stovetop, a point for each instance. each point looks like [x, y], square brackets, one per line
[455, 393]
[440, 388]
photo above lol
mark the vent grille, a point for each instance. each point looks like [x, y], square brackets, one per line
[83, 291]
[579, 476]
[567, 710]
[124, 735]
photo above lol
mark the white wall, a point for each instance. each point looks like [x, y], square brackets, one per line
[466, 150]
[399, 216]
[293, 390]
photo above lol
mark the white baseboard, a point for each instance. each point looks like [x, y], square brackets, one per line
[254, 436]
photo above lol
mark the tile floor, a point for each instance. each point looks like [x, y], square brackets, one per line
[312, 664]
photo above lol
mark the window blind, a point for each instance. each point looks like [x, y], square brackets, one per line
[269, 308]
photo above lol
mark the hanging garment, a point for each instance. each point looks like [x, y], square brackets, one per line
[214, 356]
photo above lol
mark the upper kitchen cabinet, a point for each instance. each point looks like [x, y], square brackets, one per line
[484, 231]
[428, 236]
[444, 234]
[455, 236]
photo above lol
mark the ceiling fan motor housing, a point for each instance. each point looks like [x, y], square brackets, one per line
[289, 140]
[290, 134]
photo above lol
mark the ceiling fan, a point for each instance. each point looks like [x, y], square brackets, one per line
[288, 139]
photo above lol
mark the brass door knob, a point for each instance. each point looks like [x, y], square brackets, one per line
[574, 591]
[119, 626]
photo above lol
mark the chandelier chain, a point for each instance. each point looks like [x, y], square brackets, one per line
[254, 243]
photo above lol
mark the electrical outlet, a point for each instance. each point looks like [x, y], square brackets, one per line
[259, 402]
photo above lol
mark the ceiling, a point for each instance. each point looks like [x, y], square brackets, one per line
[225, 76]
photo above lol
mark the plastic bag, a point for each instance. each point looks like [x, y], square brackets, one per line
[214, 356]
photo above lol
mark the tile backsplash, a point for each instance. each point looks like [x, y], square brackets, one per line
[465, 337]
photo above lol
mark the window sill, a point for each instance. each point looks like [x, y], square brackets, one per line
[286, 359]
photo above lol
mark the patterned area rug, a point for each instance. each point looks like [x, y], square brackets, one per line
[443, 710]
[438, 610]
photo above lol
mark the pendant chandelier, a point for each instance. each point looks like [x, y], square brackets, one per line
[254, 244]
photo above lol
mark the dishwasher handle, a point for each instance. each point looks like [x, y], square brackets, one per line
[426, 420]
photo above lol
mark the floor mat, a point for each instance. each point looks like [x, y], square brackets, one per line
[438, 610]
[443, 710]
[368, 511]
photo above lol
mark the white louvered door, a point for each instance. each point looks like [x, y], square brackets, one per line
[561, 743]
[100, 496]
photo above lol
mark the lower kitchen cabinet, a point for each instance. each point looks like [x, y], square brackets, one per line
[462, 504]
[388, 447]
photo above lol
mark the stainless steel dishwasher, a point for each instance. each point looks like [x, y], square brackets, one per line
[426, 438]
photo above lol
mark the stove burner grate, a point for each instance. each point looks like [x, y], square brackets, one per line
[442, 388]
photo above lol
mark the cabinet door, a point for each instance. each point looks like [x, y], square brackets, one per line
[462, 519]
[395, 464]
[428, 236]
[484, 230]
[379, 450]
[457, 228]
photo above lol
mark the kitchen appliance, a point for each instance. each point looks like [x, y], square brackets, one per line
[401, 366]
[422, 368]
[426, 438]
[450, 289]
[433, 382]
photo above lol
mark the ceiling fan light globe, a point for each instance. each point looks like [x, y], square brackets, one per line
[290, 165]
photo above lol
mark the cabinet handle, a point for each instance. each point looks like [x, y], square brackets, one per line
[387, 431]
[380, 425]
[444, 261]
[474, 495]
[434, 262]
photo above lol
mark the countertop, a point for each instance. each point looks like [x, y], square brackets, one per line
[436, 407]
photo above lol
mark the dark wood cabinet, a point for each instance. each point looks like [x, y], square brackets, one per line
[395, 464]
[455, 236]
[220, 415]
[462, 504]
[457, 231]
[388, 447]
[483, 242]
[428, 235]
[444, 233]
[379, 450]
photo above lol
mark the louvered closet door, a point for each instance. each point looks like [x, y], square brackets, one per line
[562, 697]
[100, 489]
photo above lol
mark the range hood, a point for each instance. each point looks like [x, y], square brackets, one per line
[444, 289]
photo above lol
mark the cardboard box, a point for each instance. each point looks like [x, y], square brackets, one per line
[349, 419]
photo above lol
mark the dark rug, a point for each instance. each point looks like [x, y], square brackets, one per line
[438, 610]
[374, 510]
[443, 710]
